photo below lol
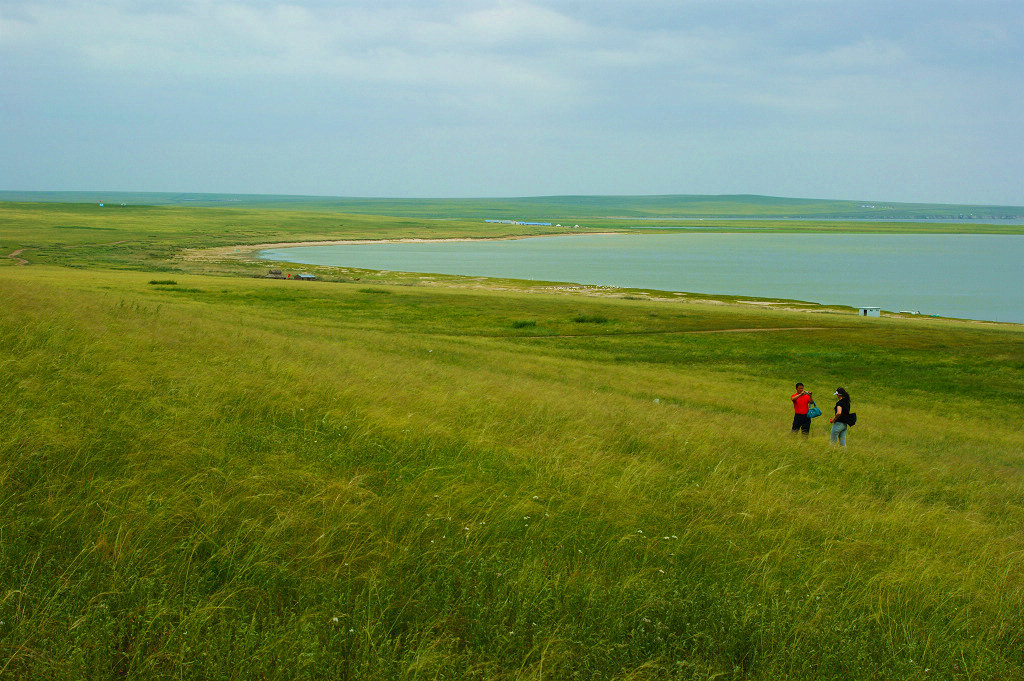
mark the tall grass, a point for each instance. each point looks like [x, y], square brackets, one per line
[260, 481]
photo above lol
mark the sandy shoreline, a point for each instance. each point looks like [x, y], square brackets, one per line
[247, 249]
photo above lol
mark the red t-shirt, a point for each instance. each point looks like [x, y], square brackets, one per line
[801, 402]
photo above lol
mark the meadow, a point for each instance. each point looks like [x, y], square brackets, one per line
[206, 475]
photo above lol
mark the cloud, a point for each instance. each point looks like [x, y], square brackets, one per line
[500, 45]
[531, 78]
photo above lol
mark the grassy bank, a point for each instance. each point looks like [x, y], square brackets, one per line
[225, 477]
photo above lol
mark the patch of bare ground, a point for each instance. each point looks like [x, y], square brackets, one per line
[14, 255]
[684, 333]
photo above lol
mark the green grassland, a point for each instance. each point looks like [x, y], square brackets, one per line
[148, 237]
[223, 477]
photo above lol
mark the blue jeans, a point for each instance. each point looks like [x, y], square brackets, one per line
[838, 433]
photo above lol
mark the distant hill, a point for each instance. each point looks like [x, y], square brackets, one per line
[551, 207]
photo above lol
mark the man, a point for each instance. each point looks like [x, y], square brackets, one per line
[801, 402]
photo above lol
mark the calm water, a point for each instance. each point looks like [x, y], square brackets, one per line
[974, 276]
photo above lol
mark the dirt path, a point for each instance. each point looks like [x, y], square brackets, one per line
[14, 256]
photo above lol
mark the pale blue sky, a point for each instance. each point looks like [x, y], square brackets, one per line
[899, 101]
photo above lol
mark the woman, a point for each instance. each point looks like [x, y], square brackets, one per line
[840, 420]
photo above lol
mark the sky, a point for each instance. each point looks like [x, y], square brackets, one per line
[910, 100]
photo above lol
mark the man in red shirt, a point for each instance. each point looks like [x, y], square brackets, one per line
[801, 401]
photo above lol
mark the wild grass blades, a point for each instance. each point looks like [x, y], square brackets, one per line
[281, 482]
[590, 319]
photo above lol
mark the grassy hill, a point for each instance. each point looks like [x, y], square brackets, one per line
[207, 477]
[554, 208]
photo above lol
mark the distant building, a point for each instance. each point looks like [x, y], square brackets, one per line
[274, 274]
[305, 277]
[870, 312]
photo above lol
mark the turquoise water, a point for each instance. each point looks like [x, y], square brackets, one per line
[972, 276]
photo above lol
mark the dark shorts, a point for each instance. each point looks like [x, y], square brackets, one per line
[802, 422]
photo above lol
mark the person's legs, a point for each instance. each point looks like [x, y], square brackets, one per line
[802, 422]
[838, 433]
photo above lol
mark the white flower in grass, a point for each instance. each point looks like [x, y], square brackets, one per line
[334, 619]
[639, 531]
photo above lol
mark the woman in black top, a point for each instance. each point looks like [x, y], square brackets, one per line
[840, 420]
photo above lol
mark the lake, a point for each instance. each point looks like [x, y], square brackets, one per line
[972, 276]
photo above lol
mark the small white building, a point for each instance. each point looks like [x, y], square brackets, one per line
[870, 312]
